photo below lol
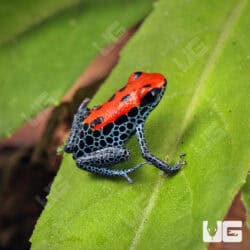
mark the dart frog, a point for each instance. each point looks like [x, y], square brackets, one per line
[98, 135]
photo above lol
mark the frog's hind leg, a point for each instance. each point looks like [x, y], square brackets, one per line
[82, 113]
[111, 172]
[97, 162]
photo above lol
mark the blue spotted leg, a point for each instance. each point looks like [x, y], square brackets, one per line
[153, 159]
[82, 113]
[98, 161]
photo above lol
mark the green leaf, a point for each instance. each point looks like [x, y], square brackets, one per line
[245, 191]
[40, 65]
[202, 47]
[17, 16]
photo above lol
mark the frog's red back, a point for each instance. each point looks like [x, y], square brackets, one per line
[128, 97]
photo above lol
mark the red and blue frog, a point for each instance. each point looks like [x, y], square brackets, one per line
[98, 135]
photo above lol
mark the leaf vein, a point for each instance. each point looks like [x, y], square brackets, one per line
[214, 56]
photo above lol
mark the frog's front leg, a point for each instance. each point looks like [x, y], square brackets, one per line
[153, 159]
[98, 161]
[82, 113]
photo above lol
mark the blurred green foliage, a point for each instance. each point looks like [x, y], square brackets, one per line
[49, 44]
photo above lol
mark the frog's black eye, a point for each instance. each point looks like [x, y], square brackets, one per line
[150, 97]
[137, 74]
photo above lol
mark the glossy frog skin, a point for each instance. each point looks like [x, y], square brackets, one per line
[98, 135]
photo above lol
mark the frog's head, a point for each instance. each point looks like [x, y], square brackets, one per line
[149, 88]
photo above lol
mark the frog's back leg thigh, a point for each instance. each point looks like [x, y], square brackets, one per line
[97, 162]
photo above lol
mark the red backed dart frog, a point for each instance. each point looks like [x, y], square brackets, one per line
[98, 135]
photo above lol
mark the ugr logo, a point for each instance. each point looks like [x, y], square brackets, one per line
[225, 231]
